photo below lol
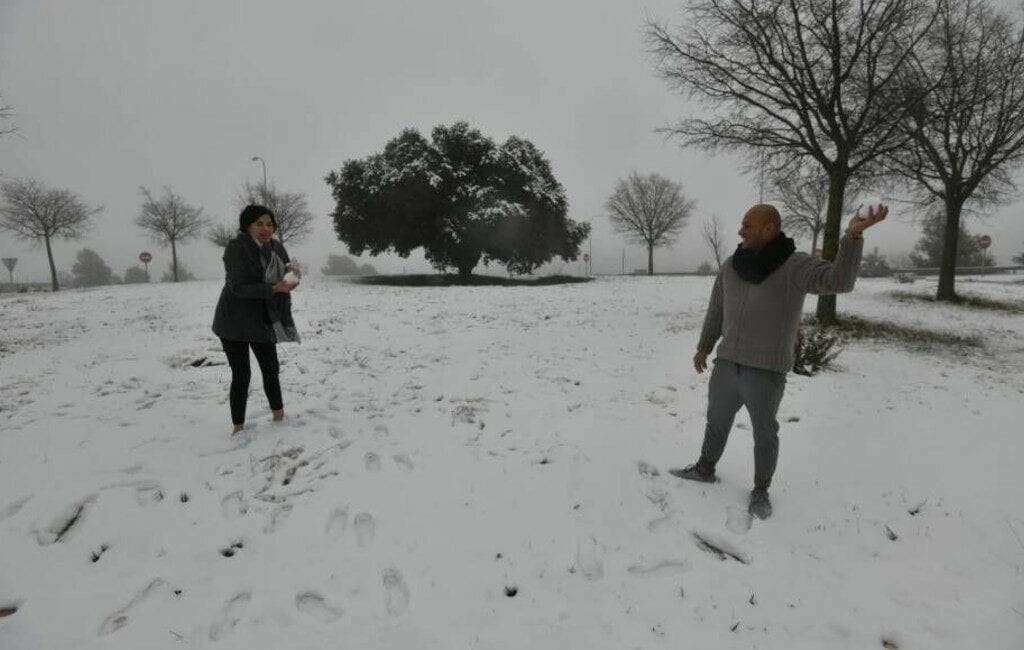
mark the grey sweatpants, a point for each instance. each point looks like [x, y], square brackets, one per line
[734, 385]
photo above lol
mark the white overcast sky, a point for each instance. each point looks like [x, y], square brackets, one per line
[113, 95]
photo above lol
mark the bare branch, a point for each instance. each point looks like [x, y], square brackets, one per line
[170, 221]
[37, 213]
[650, 209]
[32, 211]
[714, 237]
[291, 212]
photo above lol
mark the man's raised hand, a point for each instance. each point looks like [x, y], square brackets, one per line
[859, 224]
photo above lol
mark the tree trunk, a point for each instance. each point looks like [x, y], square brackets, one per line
[174, 261]
[947, 267]
[814, 242]
[838, 176]
[465, 272]
[650, 259]
[53, 268]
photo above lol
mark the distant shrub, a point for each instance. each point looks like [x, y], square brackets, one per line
[705, 268]
[183, 274]
[90, 270]
[874, 265]
[135, 275]
[815, 349]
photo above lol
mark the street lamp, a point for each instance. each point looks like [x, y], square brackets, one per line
[264, 163]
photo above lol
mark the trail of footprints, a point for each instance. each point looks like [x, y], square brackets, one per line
[293, 467]
[280, 469]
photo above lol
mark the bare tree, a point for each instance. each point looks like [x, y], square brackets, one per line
[37, 213]
[797, 79]
[5, 115]
[714, 237]
[804, 198]
[220, 235]
[968, 132]
[650, 209]
[170, 221]
[291, 212]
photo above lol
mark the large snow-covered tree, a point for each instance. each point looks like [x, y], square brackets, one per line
[461, 197]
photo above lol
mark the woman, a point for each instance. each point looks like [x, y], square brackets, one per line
[254, 310]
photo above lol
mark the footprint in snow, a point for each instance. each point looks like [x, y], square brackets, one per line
[671, 522]
[738, 520]
[365, 528]
[337, 522]
[230, 616]
[721, 546]
[14, 507]
[64, 523]
[277, 517]
[313, 604]
[372, 461]
[658, 568]
[120, 618]
[588, 561]
[233, 505]
[149, 494]
[646, 469]
[403, 461]
[396, 592]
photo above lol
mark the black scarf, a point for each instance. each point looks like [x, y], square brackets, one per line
[754, 266]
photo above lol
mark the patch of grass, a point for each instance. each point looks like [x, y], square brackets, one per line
[446, 280]
[965, 300]
[917, 338]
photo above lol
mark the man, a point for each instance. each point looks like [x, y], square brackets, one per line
[755, 308]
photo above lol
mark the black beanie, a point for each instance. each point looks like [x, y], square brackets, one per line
[251, 213]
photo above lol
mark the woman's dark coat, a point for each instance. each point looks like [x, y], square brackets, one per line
[247, 306]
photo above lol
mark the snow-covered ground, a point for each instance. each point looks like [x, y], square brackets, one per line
[486, 468]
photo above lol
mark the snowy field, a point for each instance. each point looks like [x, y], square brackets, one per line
[486, 468]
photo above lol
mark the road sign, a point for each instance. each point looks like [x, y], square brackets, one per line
[984, 241]
[145, 257]
[9, 262]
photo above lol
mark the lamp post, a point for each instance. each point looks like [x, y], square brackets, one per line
[264, 163]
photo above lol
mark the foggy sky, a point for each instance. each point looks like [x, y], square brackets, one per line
[110, 96]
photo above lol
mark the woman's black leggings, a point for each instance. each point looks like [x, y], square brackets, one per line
[238, 359]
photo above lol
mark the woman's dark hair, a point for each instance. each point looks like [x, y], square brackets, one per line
[251, 213]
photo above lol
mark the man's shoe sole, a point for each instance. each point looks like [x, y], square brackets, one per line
[678, 473]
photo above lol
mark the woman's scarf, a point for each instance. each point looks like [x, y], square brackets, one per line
[273, 272]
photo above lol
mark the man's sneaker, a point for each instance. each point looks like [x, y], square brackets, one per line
[693, 473]
[760, 506]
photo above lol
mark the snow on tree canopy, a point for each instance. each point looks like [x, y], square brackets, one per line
[460, 197]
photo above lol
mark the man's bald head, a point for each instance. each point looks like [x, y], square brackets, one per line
[767, 213]
[761, 224]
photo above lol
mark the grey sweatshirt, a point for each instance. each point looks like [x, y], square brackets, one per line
[758, 323]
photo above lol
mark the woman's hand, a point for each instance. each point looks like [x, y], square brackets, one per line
[282, 287]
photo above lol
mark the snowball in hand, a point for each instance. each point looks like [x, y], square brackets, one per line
[291, 278]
